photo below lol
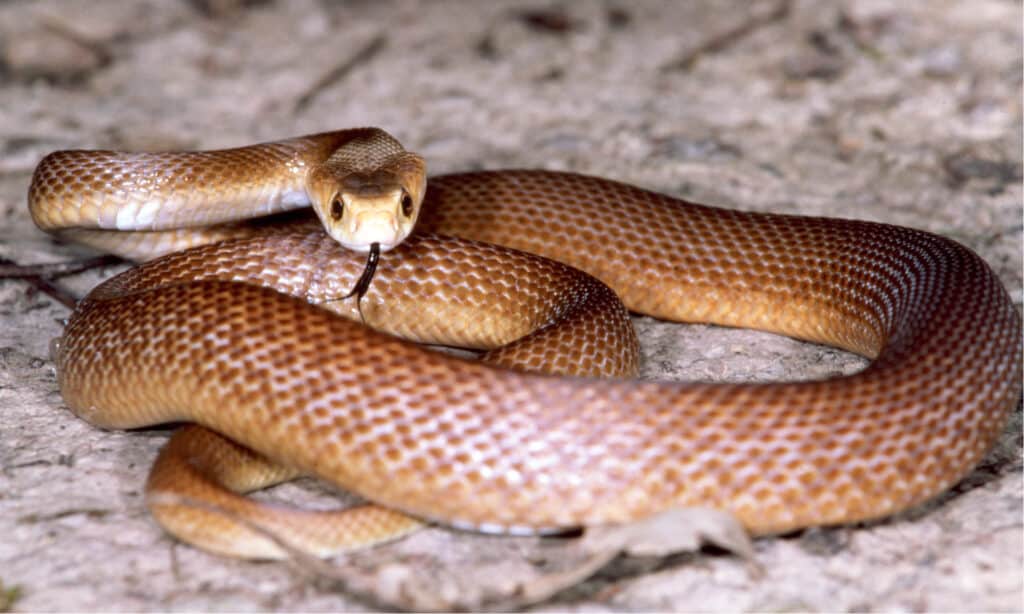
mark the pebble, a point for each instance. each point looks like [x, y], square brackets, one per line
[49, 55]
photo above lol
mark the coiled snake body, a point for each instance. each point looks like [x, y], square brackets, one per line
[496, 448]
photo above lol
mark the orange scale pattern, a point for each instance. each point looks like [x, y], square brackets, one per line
[224, 335]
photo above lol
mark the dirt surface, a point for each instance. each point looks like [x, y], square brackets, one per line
[907, 112]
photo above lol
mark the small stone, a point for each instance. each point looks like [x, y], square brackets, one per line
[943, 61]
[49, 55]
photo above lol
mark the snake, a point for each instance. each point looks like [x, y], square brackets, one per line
[231, 324]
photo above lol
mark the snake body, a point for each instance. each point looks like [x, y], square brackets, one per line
[495, 448]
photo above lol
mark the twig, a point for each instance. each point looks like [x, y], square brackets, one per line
[39, 276]
[721, 41]
[339, 72]
[9, 269]
[39, 284]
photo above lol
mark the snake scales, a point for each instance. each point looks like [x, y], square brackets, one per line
[479, 446]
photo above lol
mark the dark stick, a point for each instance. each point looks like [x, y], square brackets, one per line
[9, 269]
[339, 72]
[44, 285]
[721, 41]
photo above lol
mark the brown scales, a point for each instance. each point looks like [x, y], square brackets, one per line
[474, 445]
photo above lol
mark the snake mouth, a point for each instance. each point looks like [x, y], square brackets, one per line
[363, 248]
[359, 231]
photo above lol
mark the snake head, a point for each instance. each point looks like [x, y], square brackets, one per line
[359, 206]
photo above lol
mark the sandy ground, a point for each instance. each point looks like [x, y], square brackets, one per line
[908, 115]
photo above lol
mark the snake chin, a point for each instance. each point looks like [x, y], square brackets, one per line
[364, 247]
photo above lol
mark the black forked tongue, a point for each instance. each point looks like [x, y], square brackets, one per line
[363, 283]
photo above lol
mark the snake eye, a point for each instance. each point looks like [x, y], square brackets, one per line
[337, 209]
[406, 204]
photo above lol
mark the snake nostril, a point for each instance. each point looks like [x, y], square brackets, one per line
[337, 209]
[406, 204]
